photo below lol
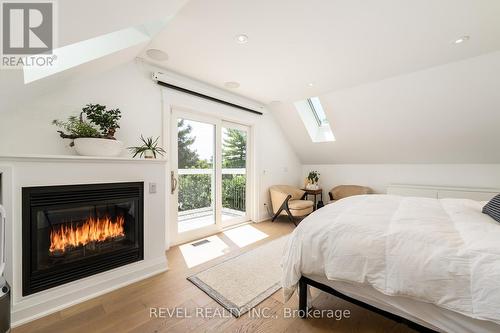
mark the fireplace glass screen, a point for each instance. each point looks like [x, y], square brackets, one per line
[70, 232]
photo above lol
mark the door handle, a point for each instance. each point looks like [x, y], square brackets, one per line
[173, 182]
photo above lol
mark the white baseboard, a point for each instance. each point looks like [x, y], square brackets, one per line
[38, 306]
[263, 217]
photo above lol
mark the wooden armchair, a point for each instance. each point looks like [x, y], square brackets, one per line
[288, 200]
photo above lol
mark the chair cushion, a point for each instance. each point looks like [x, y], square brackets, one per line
[299, 204]
[287, 189]
[344, 191]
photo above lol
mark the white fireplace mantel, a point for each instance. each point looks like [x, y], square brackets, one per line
[21, 171]
[77, 158]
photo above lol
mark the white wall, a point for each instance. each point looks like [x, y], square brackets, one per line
[27, 128]
[378, 176]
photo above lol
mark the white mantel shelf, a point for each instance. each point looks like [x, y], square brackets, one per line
[75, 158]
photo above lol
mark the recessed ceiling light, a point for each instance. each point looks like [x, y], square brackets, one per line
[242, 39]
[231, 85]
[461, 39]
[156, 54]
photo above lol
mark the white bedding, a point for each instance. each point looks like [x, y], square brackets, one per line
[444, 252]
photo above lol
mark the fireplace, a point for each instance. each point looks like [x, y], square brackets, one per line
[74, 231]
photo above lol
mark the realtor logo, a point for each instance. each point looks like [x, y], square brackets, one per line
[27, 28]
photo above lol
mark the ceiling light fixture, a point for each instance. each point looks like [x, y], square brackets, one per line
[310, 84]
[157, 54]
[242, 39]
[231, 85]
[461, 39]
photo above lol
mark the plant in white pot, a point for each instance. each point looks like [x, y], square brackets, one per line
[149, 148]
[92, 133]
[312, 180]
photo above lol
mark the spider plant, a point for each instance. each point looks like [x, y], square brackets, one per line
[149, 148]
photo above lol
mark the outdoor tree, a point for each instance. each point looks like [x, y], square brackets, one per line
[188, 157]
[195, 190]
[235, 149]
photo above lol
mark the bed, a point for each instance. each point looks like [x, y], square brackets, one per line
[434, 263]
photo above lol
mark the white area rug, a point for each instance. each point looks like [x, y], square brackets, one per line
[242, 282]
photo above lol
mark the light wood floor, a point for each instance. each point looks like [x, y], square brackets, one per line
[128, 309]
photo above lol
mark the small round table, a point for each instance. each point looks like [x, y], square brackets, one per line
[317, 192]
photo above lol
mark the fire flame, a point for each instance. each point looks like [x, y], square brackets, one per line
[93, 230]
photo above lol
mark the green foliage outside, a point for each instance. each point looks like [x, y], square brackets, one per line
[195, 190]
[234, 150]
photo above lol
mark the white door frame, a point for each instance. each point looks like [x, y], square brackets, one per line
[218, 122]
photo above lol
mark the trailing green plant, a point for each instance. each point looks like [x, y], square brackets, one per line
[148, 144]
[76, 128]
[106, 120]
[313, 176]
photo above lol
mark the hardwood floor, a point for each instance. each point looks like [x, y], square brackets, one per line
[128, 309]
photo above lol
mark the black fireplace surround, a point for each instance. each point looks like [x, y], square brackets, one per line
[74, 231]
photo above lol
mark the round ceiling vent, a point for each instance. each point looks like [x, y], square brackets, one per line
[157, 54]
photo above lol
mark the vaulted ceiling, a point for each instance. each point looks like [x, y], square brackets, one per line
[395, 86]
[333, 44]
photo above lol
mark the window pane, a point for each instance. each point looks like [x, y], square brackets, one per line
[196, 174]
[234, 158]
[318, 109]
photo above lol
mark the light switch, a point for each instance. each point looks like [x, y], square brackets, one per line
[152, 187]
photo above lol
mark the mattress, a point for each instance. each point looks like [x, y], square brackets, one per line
[443, 252]
[425, 314]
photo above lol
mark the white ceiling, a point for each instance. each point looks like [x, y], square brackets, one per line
[445, 114]
[333, 43]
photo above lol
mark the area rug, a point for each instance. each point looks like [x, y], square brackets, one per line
[242, 282]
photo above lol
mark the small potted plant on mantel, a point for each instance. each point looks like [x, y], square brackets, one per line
[93, 132]
[312, 180]
[149, 148]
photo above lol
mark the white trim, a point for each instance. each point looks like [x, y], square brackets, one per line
[225, 171]
[111, 280]
[75, 158]
[440, 192]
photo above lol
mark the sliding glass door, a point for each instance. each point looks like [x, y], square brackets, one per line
[209, 175]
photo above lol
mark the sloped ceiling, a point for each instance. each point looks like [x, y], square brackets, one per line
[79, 20]
[334, 44]
[395, 86]
[445, 114]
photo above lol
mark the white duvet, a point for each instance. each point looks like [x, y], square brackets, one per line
[444, 252]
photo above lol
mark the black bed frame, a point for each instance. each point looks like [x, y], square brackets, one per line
[304, 282]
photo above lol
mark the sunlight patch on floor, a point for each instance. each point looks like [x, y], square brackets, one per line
[196, 255]
[245, 235]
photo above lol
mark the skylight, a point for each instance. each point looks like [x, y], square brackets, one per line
[317, 110]
[314, 118]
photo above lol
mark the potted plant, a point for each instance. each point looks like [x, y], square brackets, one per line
[149, 148]
[312, 180]
[92, 133]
